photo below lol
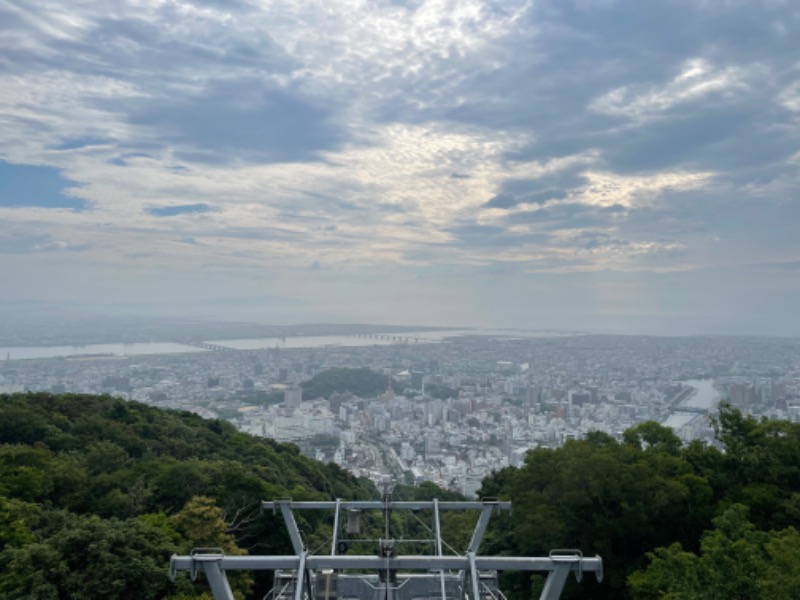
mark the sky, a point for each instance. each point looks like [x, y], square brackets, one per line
[593, 165]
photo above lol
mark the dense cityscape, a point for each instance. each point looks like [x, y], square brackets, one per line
[456, 405]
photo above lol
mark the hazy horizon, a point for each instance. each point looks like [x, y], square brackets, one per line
[594, 165]
[52, 319]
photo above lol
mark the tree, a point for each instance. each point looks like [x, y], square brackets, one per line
[123, 466]
[655, 436]
[17, 518]
[736, 561]
[602, 497]
[361, 382]
[23, 472]
[200, 521]
[86, 557]
[760, 466]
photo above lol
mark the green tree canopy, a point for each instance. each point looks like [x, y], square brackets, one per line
[98, 465]
[736, 561]
[655, 436]
[86, 557]
[363, 382]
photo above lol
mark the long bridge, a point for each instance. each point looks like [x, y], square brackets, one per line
[690, 409]
[207, 346]
[403, 339]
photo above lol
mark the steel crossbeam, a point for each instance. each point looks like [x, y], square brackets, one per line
[381, 505]
[465, 572]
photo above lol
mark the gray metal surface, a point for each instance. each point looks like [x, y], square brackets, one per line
[380, 505]
[386, 576]
[408, 562]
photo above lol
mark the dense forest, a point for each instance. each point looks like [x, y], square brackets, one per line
[362, 382]
[96, 493]
[670, 521]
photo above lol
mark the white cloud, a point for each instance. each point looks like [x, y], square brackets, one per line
[609, 189]
[790, 97]
[424, 114]
[697, 80]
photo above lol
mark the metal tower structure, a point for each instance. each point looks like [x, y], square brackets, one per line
[385, 575]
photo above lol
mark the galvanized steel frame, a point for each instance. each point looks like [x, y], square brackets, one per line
[558, 565]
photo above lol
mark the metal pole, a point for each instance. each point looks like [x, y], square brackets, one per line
[555, 582]
[291, 525]
[335, 527]
[480, 527]
[301, 575]
[437, 528]
[473, 573]
[217, 580]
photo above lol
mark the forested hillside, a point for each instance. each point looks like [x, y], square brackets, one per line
[96, 493]
[361, 382]
[669, 521]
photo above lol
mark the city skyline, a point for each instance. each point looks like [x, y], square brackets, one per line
[592, 165]
[449, 410]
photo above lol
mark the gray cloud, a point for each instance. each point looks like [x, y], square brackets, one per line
[21, 244]
[481, 237]
[566, 216]
[26, 244]
[537, 191]
[644, 149]
[236, 119]
[182, 209]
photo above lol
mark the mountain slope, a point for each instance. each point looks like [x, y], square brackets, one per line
[79, 473]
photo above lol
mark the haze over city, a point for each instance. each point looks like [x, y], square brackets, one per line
[624, 167]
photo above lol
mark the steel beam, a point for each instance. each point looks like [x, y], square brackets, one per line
[403, 563]
[217, 581]
[473, 575]
[380, 505]
[437, 531]
[291, 525]
[555, 582]
[301, 577]
[480, 527]
[335, 541]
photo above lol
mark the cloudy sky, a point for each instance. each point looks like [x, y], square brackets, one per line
[599, 165]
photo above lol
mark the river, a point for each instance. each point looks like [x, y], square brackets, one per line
[705, 397]
[138, 349]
